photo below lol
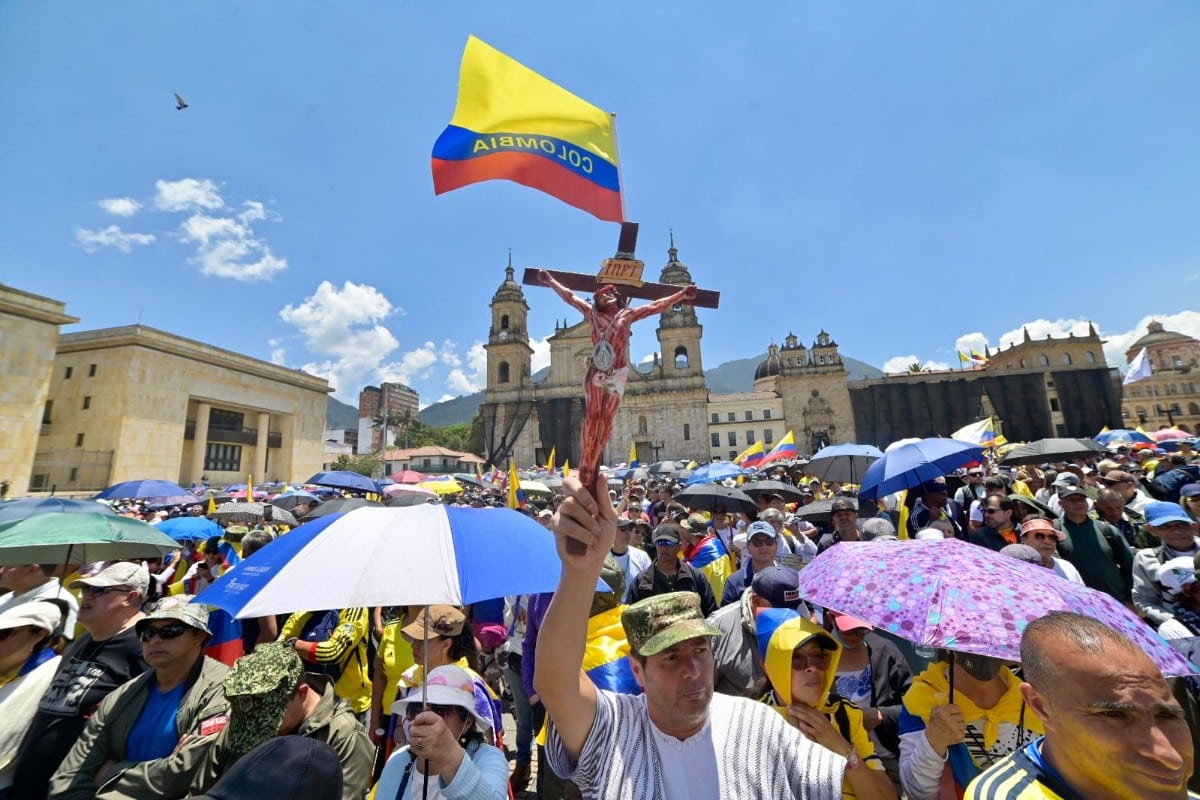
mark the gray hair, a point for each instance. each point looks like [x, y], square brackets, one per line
[875, 527]
[771, 515]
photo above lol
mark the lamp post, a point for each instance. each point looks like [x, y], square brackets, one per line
[656, 446]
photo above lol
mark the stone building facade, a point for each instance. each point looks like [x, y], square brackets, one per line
[401, 401]
[29, 335]
[814, 387]
[134, 402]
[741, 419]
[1171, 395]
[663, 414]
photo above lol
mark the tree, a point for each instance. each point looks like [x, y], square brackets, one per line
[916, 366]
[474, 443]
[367, 465]
[388, 422]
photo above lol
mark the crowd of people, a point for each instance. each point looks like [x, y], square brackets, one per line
[678, 657]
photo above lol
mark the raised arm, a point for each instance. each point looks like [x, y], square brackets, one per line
[566, 294]
[568, 694]
[659, 306]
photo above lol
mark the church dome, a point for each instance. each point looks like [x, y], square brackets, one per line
[1156, 334]
[675, 272]
[510, 290]
[770, 366]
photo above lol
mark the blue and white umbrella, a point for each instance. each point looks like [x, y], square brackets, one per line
[417, 555]
[910, 465]
[344, 479]
[190, 529]
[715, 472]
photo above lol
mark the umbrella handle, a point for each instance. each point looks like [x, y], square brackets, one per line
[951, 652]
[425, 693]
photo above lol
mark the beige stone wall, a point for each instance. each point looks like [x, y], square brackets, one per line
[768, 431]
[28, 337]
[815, 401]
[147, 385]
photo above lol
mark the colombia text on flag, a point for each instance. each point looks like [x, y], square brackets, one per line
[511, 123]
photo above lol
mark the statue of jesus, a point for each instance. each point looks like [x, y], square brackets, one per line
[608, 367]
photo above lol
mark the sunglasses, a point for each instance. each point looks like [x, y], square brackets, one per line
[761, 541]
[1041, 537]
[96, 591]
[166, 632]
[819, 661]
[412, 709]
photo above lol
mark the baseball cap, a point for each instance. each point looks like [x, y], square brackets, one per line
[1159, 513]
[1115, 476]
[667, 531]
[935, 485]
[42, 614]
[778, 585]
[1068, 489]
[845, 622]
[1189, 490]
[1066, 479]
[181, 608]
[122, 573]
[759, 528]
[847, 504]
[258, 689]
[1177, 573]
[296, 767]
[544, 513]
[657, 623]
[696, 523]
[443, 621]
[1043, 525]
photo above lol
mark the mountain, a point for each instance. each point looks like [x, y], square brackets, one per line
[732, 376]
[340, 415]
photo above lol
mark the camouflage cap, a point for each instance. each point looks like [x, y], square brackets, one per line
[258, 689]
[179, 607]
[656, 623]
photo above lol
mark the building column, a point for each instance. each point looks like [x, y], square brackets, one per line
[199, 441]
[260, 450]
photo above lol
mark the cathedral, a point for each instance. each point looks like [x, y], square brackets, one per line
[662, 415]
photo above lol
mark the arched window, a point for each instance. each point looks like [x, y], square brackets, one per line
[642, 430]
[821, 359]
[1141, 415]
[1089, 357]
[504, 322]
[681, 357]
[502, 372]
[1066, 358]
[1044, 360]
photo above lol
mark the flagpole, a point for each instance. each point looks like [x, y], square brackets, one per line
[620, 174]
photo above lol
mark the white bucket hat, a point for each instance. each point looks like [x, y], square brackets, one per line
[448, 685]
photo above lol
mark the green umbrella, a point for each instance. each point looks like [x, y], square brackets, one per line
[61, 538]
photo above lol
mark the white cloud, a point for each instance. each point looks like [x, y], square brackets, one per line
[188, 194]
[344, 325]
[898, 364]
[112, 236]
[278, 353]
[412, 364]
[935, 366]
[472, 379]
[119, 206]
[1115, 345]
[541, 354]
[970, 341]
[227, 246]
[1041, 328]
[449, 354]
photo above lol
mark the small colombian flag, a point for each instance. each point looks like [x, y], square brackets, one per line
[510, 123]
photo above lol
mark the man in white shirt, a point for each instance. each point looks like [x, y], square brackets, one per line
[632, 560]
[29, 582]
[677, 739]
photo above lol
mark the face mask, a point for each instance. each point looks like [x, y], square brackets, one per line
[981, 668]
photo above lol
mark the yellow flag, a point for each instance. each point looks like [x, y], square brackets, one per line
[249, 488]
[567, 468]
[514, 486]
[212, 504]
[550, 463]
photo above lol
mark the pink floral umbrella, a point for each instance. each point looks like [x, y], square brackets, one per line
[1170, 434]
[959, 596]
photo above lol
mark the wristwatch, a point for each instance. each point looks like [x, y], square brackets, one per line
[852, 759]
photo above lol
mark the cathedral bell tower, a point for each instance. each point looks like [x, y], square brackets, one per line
[508, 351]
[679, 330]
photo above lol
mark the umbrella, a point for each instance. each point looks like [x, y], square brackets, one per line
[289, 500]
[553, 482]
[340, 505]
[442, 487]
[959, 596]
[1122, 436]
[714, 472]
[463, 477]
[174, 500]
[1169, 434]
[408, 476]
[665, 468]
[253, 513]
[75, 538]
[393, 556]
[20, 509]
[184, 529]
[710, 496]
[900, 443]
[845, 463]
[342, 479]
[1052, 450]
[536, 487]
[910, 465]
[138, 490]
[822, 510]
[403, 490]
[787, 491]
[1172, 445]
[411, 499]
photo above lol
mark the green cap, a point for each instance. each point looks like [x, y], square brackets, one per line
[178, 607]
[258, 689]
[656, 623]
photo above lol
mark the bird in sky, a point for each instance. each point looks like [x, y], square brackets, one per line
[179, 104]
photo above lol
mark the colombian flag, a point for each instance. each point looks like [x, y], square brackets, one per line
[785, 449]
[606, 655]
[510, 123]
[516, 498]
[633, 462]
[714, 561]
[751, 456]
[226, 644]
[978, 358]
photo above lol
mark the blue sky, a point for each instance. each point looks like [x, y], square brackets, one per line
[909, 177]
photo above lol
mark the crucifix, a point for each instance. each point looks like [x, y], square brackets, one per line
[611, 317]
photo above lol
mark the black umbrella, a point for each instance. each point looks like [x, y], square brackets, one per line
[787, 491]
[288, 502]
[340, 504]
[1045, 450]
[665, 468]
[822, 510]
[709, 496]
